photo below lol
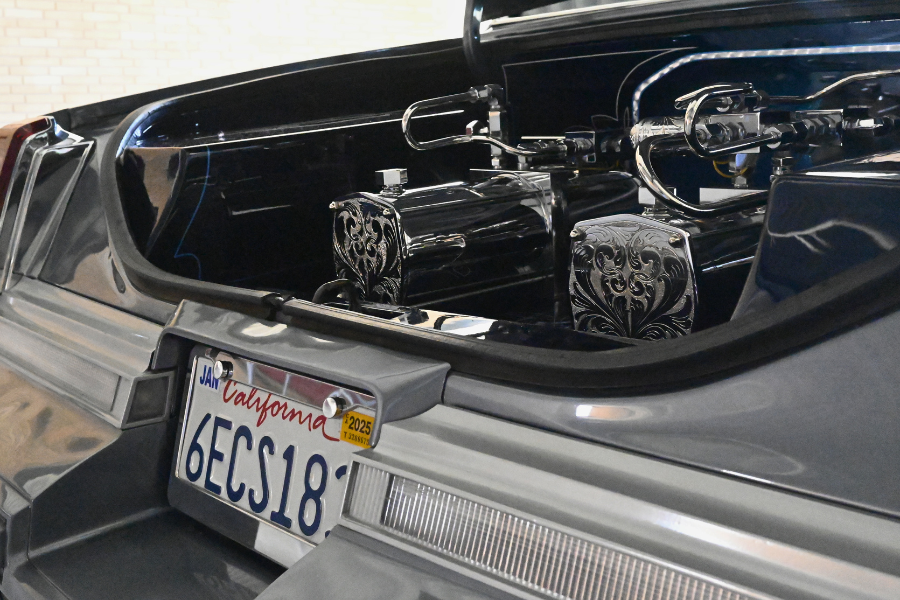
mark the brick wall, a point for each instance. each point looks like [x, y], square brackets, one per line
[55, 54]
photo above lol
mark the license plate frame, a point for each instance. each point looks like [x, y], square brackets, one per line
[290, 391]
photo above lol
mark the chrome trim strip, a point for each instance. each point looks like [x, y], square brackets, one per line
[809, 51]
[756, 537]
[184, 415]
[5, 269]
[855, 174]
[733, 263]
[19, 223]
[487, 26]
[293, 386]
[8, 196]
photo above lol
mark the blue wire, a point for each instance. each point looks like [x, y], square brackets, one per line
[178, 253]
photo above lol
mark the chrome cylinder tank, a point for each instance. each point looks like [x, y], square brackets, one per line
[448, 241]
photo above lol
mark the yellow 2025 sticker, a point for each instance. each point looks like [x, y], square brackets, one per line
[357, 428]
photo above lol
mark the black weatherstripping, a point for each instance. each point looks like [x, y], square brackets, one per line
[844, 301]
[800, 320]
[803, 319]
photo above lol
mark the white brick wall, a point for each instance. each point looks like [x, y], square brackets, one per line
[55, 54]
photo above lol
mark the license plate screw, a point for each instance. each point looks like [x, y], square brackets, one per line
[223, 369]
[333, 406]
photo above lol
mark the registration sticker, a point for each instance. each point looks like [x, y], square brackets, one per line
[357, 429]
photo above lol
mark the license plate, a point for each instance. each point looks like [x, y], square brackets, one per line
[260, 443]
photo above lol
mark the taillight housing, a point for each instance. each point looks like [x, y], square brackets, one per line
[12, 138]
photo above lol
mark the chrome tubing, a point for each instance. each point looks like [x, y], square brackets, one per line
[473, 96]
[718, 90]
[673, 202]
[695, 102]
[834, 86]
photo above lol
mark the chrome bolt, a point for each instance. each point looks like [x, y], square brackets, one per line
[578, 235]
[676, 240]
[333, 406]
[335, 205]
[223, 369]
[386, 212]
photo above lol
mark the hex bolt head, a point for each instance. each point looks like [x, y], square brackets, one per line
[578, 234]
[676, 240]
[333, 406]
[391, 177]
[783, 161]
[223, 369]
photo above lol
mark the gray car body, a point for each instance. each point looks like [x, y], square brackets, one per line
[766, 479]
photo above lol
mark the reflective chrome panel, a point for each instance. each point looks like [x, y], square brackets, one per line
[448, 241]
[632, 277]
[305, 390]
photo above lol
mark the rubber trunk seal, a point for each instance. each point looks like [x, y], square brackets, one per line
[842, 302]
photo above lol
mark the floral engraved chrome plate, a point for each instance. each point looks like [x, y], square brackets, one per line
[367, 248]
[632, 277]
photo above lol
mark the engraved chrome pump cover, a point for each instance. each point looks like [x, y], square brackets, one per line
[368, 247]
[456, 240]
[632, 277]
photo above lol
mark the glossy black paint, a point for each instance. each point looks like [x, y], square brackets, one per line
[255, 213]
[818, 227]
[366, 86]
[86, 511]
[56, 171]
[721, 249]
[80, 258]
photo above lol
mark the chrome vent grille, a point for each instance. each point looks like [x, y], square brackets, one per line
[535, 556]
